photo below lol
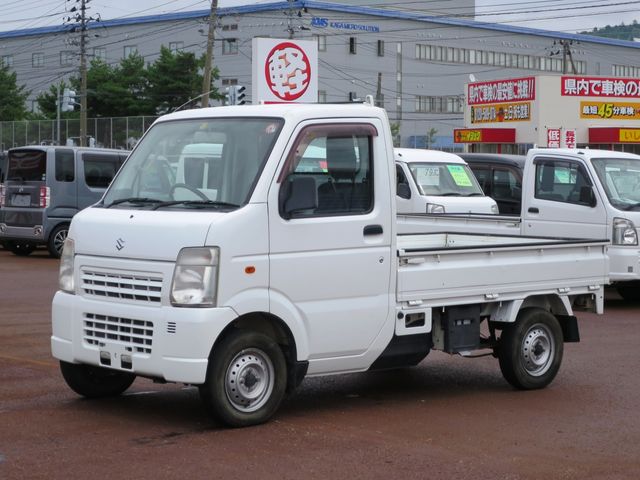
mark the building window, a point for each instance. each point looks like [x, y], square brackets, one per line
[130, 50]
[66, 58]
[381, 48]
[322, 42]
[7, 60]
[37, 60]
[100, 53]
[230, 46]
[233, 26]
[229, 81]
[353, 96]
[352, 45]
[176, 47]
[322, 96]
[446, 104]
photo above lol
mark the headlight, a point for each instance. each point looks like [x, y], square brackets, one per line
[65, 277]
[624, 232]
[435, 208]
[494, 209]
[195, 277]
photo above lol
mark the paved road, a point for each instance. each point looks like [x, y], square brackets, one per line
[449, 418]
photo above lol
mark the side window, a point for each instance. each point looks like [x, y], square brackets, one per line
[561, 181]
[400, 177]
[506, 185]
[65, 168]
[483, 175]
[331, 166]
[99, 169]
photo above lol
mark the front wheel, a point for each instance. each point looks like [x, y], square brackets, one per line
[246, 379]
[530, 350]
[95, 382]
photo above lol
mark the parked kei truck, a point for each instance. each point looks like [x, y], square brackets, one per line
[239, 273]
[579, 193]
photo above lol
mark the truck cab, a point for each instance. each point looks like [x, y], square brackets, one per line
[431, 181]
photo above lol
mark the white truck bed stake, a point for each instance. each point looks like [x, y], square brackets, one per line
[226, 254]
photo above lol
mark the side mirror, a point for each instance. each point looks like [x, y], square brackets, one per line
[300, 194]
[588, 196]
[403, 191]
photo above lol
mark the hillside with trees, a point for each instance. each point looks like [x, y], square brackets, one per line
[618, 32]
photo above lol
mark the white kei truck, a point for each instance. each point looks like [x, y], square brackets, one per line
[574, 193]
[212, 260]
[431, 181]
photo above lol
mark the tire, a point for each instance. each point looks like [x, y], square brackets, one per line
[56, 240]
[22, 249]
[530, 350]
[95, 382]
[246, 379]
[629, 291]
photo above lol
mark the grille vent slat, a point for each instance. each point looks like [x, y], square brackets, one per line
[139, 288]
[135, 335]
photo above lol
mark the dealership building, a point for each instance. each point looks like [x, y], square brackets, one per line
[420, 64]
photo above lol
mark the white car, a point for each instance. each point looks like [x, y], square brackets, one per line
[431, 181]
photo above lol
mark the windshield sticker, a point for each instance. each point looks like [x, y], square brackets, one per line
[459, 175]
[428, 176]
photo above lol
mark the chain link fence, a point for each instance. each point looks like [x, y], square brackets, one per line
[112, 132]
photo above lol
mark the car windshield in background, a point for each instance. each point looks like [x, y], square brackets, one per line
[448, 179]
[620, 178]
[27, 166]
[199, 163]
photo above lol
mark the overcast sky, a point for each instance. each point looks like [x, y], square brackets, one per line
[558, 15]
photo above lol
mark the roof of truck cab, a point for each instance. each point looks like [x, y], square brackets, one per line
[495, 158]
[290, 111]
[421, 155]
[587, 153]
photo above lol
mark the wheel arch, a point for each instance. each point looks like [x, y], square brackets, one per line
[507, 312]
[274, 327]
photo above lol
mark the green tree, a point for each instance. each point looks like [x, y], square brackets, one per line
[174, 79]
[12, 97]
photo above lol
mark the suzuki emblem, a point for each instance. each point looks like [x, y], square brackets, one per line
[120, 244]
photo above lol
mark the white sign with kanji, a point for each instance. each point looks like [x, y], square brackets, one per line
[284, 71]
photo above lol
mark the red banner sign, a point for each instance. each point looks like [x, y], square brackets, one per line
[512, 90]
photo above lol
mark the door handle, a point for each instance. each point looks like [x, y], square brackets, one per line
[372, 230]
[533, 210]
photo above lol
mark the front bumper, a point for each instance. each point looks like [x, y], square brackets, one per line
[163, 342]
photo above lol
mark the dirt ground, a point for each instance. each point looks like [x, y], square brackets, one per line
[449, 417]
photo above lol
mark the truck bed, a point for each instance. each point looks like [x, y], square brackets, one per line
[455, 268]
[462, 223]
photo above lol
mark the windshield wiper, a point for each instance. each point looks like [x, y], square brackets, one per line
[133, 200]
[450, 194]
[632, 206]
[475, 194]
[197, 204]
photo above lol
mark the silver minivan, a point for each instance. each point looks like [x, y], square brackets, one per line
[45, 186]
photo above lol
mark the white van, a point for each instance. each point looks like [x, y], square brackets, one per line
[431, 181]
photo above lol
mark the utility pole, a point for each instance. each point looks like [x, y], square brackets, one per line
[83, 73]
[208, 61]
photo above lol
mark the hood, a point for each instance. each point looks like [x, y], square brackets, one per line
[144, 234]
[464, 204]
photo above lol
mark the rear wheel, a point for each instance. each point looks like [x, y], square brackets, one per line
[20, 248]
[95, 382]
[530, 350]
[56, 240]
[246, 379]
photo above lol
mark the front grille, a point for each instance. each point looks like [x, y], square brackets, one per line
[138, 287]
[135, 335]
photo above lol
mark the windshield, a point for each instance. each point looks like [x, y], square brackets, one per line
[188, 163]
[445, 179]
[620, 178]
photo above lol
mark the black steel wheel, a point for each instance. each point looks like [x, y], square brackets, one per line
[530, 350]
[246, 379]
